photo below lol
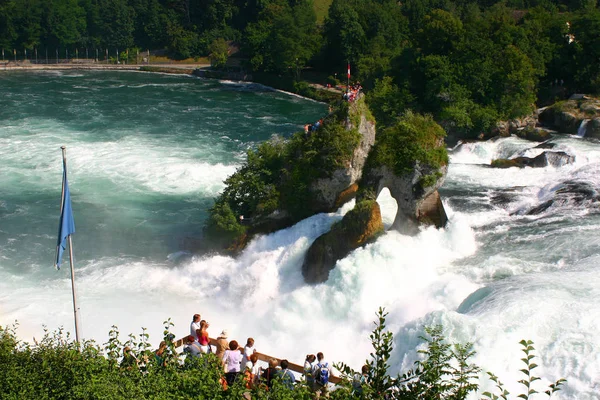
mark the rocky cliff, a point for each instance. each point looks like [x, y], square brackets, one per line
[331, 192]
[410, 160]
[285, 181]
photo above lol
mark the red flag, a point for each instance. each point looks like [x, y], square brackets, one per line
[348, 70]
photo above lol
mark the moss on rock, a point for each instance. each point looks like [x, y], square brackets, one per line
[414, 138]
[359, 226]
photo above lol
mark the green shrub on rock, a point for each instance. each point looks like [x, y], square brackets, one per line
[277, 176]
[414, 138]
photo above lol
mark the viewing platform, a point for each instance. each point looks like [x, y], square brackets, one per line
[265, 358]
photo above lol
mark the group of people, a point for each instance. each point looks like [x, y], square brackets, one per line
[352, 93]
[309, 128]
[242, 362]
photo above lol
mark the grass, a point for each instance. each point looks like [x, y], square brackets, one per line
[166, 60]
[321, 9]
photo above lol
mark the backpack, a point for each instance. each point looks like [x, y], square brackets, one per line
[322, 374]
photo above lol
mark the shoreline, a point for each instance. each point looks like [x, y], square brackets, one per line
[177, 68]
[197, 70]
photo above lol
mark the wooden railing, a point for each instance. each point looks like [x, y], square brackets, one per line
[264, 357]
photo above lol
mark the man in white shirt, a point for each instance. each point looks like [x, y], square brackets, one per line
[195, 326]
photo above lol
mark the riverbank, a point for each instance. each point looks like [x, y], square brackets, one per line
[306, 89]
[164, 68]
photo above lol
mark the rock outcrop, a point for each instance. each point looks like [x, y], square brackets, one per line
[359, 226]
[552, 158]
[410, 160]
[574, 192]
[329, 193]
[318, 170]
[568, 117]
[411, 191]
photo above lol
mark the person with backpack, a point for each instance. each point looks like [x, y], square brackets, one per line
[286, 376]
[321, 375]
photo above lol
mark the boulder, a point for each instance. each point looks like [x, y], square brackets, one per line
[567, 116]
[431, 211]
[513, 126]
[534, 134]
[547, 158]
[574, 192]
[593, 128]
[359, 226]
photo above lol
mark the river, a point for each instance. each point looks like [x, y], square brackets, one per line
[147, 153]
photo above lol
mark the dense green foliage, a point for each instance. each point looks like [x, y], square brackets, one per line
[413, 139]
[468, 63]
[278, 174]
[59, 368]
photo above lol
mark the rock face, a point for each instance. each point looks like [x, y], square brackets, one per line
[513, 126]
[567, 116]
[359, 226]
[329, 192]
[593, 128]
[414, 203]
[552, 158]
[431, 211]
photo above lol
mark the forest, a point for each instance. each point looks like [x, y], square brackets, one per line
[468, 63]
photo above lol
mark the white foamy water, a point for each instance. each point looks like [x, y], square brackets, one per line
[498, 273]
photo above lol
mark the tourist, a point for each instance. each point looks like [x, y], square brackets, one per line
[195, 326]
[248, 351]
[232, 359]
[256, 370]
[192, 347]
[222, 344]
[129, 359]
[287, 377]
[270, 373]
[321, 374]
[159, 354]
[308, 371]
[360, 381]
[203, 338]
[250, 373]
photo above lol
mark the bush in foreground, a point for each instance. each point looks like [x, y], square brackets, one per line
[59, 368]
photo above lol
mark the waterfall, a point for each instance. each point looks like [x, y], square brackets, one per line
[581, 129]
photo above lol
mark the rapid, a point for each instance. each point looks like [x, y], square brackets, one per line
[147, 153]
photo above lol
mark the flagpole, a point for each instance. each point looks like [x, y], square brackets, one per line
[348, 83]
[76, 315]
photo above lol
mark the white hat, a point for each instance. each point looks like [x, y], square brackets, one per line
[223, 334]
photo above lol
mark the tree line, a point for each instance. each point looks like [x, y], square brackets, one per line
[469, 63]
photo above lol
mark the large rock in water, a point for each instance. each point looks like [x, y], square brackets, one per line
[593, 128]
[552, 158]
[567, 116]
[358, 227]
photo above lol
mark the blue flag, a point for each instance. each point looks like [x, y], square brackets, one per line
[67, 224]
